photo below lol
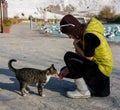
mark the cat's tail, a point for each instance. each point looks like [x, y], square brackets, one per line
[10, 65]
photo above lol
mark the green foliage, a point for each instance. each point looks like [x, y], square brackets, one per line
[30, 17]
[116, 19]
[7, 22]
[16, 17]
[106, 14]
[16, 20]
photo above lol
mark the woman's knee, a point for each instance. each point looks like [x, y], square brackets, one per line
[68, 55]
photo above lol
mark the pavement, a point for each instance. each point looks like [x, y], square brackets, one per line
[39, 50]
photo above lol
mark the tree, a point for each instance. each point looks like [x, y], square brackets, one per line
[106, 13]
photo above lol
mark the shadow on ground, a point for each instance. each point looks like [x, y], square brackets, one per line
[13, 85]
[60, 86]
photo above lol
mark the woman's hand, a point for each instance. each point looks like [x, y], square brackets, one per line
[63, 73]
[77, 47]
[75, 42]
[79, 50]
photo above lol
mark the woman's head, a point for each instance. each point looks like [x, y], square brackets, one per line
[71, 26]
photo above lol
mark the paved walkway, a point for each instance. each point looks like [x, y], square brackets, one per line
[36, 50]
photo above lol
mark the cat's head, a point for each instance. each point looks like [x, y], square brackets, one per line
[52, 71]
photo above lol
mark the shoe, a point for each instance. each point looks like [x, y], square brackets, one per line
[81, 91]
[78, 94]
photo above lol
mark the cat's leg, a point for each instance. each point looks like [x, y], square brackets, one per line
[40, 89]
[27, 92]
[23, 88]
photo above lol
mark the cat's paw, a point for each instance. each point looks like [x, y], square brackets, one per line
[27, 92]
[42, 95]
[23, 95]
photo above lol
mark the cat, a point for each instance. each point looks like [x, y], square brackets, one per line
[29, 76]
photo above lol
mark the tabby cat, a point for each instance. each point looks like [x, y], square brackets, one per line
[29, 76]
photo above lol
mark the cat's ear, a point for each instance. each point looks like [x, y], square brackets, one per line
[52, 65]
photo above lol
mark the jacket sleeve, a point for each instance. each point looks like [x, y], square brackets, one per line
[91, 42]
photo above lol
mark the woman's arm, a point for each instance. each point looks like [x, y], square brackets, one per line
[78, 49]
[91, 42]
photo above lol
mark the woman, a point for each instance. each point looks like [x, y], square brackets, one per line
[91, 64]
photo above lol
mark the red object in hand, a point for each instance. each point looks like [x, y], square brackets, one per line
[61, 75]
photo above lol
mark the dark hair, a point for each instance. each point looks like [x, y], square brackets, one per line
[70, 25]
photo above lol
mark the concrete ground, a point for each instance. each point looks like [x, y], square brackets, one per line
[37, 50]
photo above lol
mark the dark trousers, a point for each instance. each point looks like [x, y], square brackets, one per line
[97, 82]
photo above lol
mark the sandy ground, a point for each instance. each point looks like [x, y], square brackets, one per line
[36, 50]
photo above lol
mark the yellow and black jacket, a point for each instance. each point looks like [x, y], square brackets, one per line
[102, 55]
